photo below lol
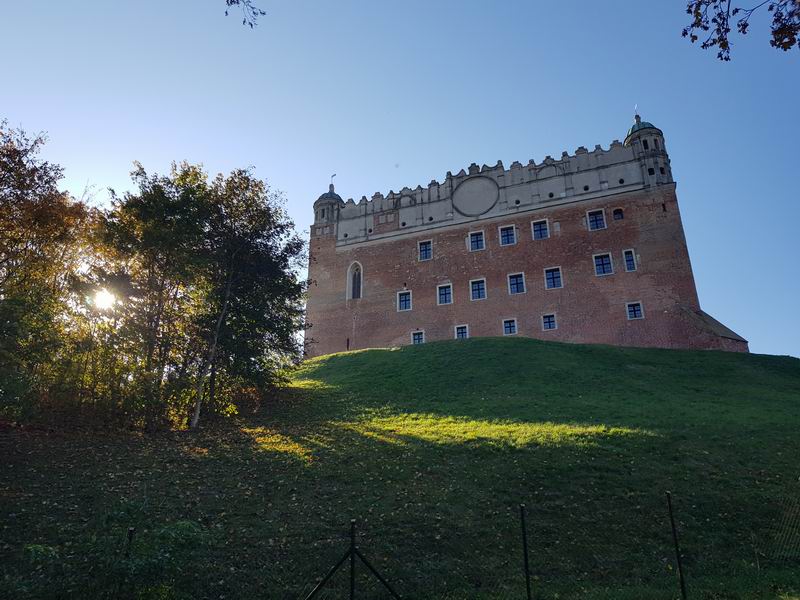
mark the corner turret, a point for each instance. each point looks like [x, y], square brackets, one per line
[326, 208]
[647, 142]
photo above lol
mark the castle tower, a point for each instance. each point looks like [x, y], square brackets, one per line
[647, 142]
[326, 208]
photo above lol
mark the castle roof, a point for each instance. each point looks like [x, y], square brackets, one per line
[638, 125]
[330, 195]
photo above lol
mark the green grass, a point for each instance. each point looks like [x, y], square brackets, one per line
[432, 448]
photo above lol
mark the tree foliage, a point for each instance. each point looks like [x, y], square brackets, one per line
[712, 20]
[207, 303]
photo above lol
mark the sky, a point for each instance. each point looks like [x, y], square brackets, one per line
[394, 94]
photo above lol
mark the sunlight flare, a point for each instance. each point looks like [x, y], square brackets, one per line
[103, 299]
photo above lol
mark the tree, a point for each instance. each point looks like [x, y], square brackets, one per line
[41, 241]
[252, 292]
[250, 12]
[712, 19]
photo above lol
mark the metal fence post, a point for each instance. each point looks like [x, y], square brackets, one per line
[525, 551]
[352, 559]
[677, 546]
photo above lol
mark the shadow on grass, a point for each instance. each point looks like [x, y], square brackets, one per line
[432, 449]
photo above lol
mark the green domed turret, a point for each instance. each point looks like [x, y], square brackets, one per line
[639, 126]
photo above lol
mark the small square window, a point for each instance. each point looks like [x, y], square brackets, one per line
[509, 326]
[540, 230]
[516, 283]
[552, 278]
[462, 332]
[476, 241]
[596, 220]
[618, 214]
[508, 235]
[426, 250]
[417, 337]
[477, 289]
[651, 171]
[635, 311]
[403, 301]
[549, 322]
[444, 294]
[630, 260]
[602, 264]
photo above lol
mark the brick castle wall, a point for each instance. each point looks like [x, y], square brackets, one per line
[588, 309]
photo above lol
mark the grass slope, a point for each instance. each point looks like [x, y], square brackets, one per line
[432, 448]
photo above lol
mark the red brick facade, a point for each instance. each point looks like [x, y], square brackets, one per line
[588, 308]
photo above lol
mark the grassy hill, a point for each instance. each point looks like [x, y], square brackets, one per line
[432, 448]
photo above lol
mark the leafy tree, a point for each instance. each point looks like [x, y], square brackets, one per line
[41, 231]
[713, 20]
[252, 293]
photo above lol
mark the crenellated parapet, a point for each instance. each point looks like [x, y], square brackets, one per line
[482, 192]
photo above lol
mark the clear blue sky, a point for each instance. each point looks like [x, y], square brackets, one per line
[387, 94]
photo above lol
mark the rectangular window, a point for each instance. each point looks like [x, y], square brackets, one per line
[426, 250]
[552, 278]
[476, 241]
[403, 300]
[635, 311]
[540, 230]
[477, 289]
[417, 337]
[630, 260]
[602, 264]
[549, 322]
[516, 283]
[509, 326]
[596, 220]
[508, 235]
[645, 145]
[444, 294]
[462, 332]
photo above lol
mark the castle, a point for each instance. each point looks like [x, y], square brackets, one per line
[585, 248]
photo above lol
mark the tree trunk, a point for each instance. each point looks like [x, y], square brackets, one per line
[209, 359]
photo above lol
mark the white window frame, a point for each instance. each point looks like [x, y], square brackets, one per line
[469, 240]
[485, 289]
[635, 260]
[422, 331]
[455, 330]
[500, 234]
[628, 314]
[410, 298]
[547, 223]
[419, 254]
[503, 325]
[524, 283]
[555, 318]
[544, 277]
[605, 221]
[594, 266]
[452, 294]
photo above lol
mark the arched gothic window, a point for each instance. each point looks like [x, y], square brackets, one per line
[355, 282]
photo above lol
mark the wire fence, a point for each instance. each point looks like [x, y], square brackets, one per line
[525, 578]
